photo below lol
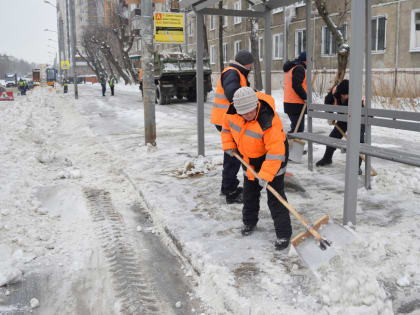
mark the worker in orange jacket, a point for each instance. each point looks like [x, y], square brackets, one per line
[231, 79]
[295, 90]
[253, 128]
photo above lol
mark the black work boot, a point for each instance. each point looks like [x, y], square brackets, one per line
[224, 192]
[327, 158]
[235, 196]
[247, 229]
[281, 243]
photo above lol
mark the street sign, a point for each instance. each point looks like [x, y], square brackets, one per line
[65, 65]
[169, 27]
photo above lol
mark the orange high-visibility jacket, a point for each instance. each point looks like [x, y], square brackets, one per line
[221, 103]
[290, 95]
[261, 142]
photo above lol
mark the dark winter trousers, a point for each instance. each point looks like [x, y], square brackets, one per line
[231, 166]
[279, 213]
[103, 89]
[335, 133]
[293, 122]
[112, 90]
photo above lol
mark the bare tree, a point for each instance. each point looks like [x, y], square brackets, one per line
[254, 51]
[91, 52]
[343, 46]
[120, 27]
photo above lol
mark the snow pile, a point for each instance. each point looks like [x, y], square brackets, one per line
[26, 229]
[195, 167]
[9, 272]
[346, 288]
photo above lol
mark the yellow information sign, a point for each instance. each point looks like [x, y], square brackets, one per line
[65, 65]
[169, 27]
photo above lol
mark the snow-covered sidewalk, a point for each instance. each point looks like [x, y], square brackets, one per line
[377, 274]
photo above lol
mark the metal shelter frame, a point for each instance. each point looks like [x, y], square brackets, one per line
[360, 24]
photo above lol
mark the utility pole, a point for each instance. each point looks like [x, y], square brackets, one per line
[73, 56]
[147, 65]
[68, 34]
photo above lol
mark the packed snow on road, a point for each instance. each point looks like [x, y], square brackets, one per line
[93, 221]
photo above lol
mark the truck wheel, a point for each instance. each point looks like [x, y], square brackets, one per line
[160, 99]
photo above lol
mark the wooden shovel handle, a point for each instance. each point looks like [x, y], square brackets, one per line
[300, 118]
[362, 156]
[281, 199]
[297, 126]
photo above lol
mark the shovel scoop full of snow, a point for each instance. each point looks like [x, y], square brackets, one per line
[308, 247]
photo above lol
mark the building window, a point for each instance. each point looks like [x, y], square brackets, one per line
[225, 52]
[213, 54]
[212, 24]
[415, 30]
[260, 48]
[225, 18]
[237, 6]
[278, 46]
[329, 44]
[378, 33]
[300, 42]
[237, 46]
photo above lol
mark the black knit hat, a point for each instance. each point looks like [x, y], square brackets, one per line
[244, 57]
[302, 56]
[343, 87]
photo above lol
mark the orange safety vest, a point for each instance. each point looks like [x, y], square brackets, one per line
[253, 142]
[221, 103]
[290, 95]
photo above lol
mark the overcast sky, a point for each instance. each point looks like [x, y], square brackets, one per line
[22, 35]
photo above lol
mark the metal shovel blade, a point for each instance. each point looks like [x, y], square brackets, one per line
[296, 151]
[313, 256]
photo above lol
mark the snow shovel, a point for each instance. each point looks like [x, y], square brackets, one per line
[362, 156]
[297, 145]
[315, 250]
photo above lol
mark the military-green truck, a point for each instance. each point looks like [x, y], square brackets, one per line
[175, 76]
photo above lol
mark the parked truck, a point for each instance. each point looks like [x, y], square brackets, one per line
[36, 76]
[11, 80]
[175, 76]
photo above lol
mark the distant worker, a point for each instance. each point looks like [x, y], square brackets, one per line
[339, 95]
[253, 129]
[102, 80]
[22, 86]
[112, 84]
[66, 86]
[231, 79]
[295, 90]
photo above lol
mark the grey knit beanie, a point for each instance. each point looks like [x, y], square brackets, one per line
[244, 57]
[245, 100]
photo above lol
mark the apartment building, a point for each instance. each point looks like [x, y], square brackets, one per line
[395, 38]
[87, 13]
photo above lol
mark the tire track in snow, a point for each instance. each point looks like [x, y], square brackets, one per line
[131, 287]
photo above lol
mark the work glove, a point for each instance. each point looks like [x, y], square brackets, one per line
[263, 183]
[230, 151]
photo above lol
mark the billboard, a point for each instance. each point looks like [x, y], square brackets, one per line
[169, 27]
